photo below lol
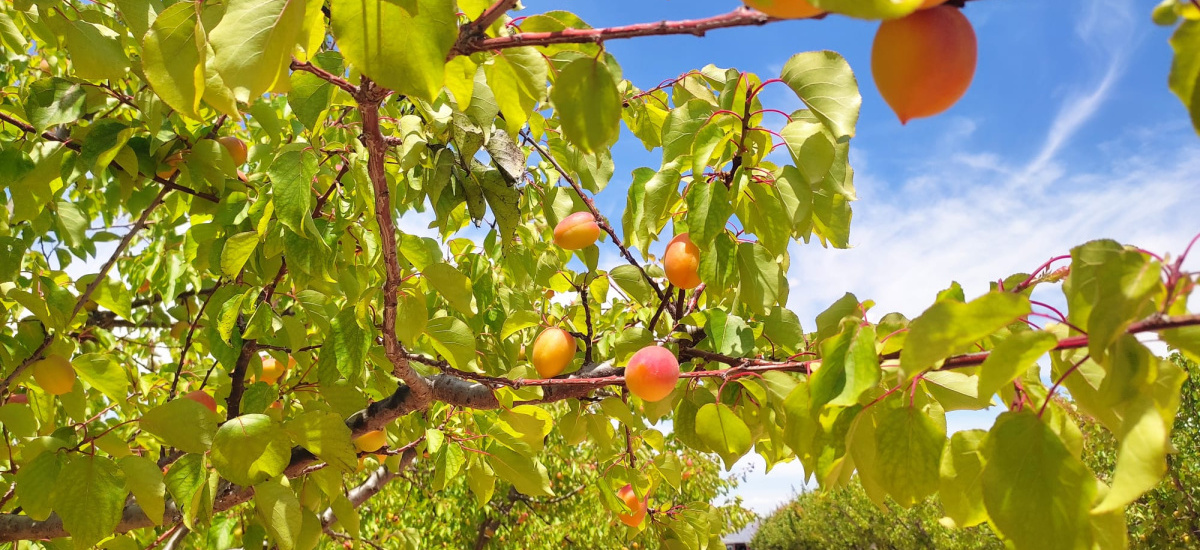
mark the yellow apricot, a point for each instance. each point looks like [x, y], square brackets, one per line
[579, 230]
[236, 148]
[651, 373]
[924, 63]
[785, 9]
[553, 351]
[682, 262]
[370, 441]
[273, 370]
[638, 506]
[172, 163]
[54, 374]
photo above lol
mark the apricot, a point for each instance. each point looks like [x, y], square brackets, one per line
[273, 370]
[237, 148]
[179, 329]
[651, 373]
[579, 230]
[638, 506]
[203, 398]
[553, 351]
[924, 63]
[785, 9]
[370, 441]
[275, 411]
[173, 161]
[54, 374]
[931, 3]
[682, 262]
[18, 399]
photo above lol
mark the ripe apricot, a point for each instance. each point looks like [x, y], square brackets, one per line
[273, 370]
[785, 9]
[682, 262]
[652, 373]
[638, 507]
[173, 161]
[54, 374]
[17, 399]
[931, 3]
[579, 230]
[236, 148]
[179, 329]
[204, 399]
[370, 441]
[553, 351]
[924, 63]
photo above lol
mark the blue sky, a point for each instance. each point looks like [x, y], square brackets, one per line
[1067, 134]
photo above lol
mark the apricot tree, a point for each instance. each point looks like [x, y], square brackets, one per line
[214, 201]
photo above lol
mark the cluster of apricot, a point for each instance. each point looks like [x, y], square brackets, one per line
[272, 371]
[923, 61]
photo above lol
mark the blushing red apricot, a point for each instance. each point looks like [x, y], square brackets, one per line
[682, 262]
[931, 3]
[236, 147]
[203, 398]
[785, 9]
[370, 441]
[652, 373]
[54, 374]
[638, 506]
[17, 399]
[577, 231]
[553, 351]
[923, 63]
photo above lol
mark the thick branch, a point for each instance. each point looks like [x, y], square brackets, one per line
[475, 30]
[327, 76]
[374, 483]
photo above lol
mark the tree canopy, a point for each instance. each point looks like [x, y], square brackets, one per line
[216, 304]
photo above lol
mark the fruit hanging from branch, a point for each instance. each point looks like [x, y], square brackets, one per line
[652, 373]
[553, 351]
[924, 63]
[681, 262]
[577, 231]
[54, 374]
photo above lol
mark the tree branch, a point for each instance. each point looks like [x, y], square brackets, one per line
[369, 488]
[327, 76]
[600, 219]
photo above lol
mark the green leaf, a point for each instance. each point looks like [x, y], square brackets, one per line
[1184, 339]
[411, 317]
[348, 343]
[96, 51]
[708, 209]
[452, 285]
[679, 132]
[36, 483]
[324, 434]
[183, 424]
[104, 141]
[1185, 68]
[54, 101]
[517, 77]
[950, 326]
[145, 480]
[629, 279]
[1126, 284]
[504, 199]
[523, 429]
[651, 195]
[452, 339]
[728, 334]
[960, 491]
[1012, 357]
[909, 442]
[238, 248]
[89, 496]
[402, 46]
[186, 481]
[19, 419]
[254, 43]
[310, 94]
[1142, 456]
[723, 431]
[1037, 493]
[849, 366]
[811, 146]
[482, 481]
[102, 372]
[250, 449]
[279, 510]
[588, 104]
[527, 475]
[173, 58]
[763, 280]
[292, 174]
[824, 82]
[518, 321]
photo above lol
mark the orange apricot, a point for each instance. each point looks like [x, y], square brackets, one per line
[651, 373]
[682, 262]
[173, 161]
[924, 63]
[553, 351]
[931, 3]
[577, 231]
[638, 506]
[54, 374]
[236, 147]
[785, 9]
[203, 398]
[370, 441]
[273, 370]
